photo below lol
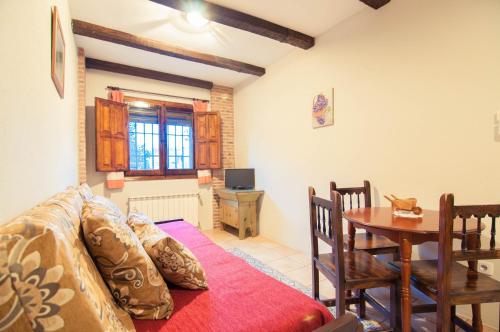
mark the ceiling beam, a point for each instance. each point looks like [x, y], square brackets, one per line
[375, 4]
[113, 67]
[242, 21]
[146, 44]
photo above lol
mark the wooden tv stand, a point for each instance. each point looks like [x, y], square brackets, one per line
[239, 209]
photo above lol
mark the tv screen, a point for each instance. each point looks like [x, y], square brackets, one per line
[240, 178]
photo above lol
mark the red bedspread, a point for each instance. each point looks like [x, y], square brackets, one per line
[240, 298]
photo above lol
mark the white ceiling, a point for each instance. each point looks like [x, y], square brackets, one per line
[148, 19]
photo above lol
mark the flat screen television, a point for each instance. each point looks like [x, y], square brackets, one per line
[240, 178]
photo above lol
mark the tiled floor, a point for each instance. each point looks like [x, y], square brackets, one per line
[297, 266]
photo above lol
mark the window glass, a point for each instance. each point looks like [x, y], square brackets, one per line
[144, 139]
[179, 141]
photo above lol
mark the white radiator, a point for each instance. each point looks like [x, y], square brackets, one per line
[168, 207]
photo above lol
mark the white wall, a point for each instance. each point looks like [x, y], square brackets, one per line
[96, 82]
[417, 85]
[38, 130]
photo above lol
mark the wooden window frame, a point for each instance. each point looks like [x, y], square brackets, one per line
[164, 172]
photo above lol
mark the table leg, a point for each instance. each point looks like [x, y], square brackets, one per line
[406, 305]
[351, 230]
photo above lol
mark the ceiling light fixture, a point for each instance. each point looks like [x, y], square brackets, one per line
[196, 19]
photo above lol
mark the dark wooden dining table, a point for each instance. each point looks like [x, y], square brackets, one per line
[405, 231]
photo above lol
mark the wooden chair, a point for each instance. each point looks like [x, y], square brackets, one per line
[373, 244]
[345, 270]
[445, 280]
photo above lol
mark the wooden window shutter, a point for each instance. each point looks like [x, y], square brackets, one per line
[207, 140]
[111, 123]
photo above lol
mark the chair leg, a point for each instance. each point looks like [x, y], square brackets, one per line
[315, 282]
[339, 302]
[443, 313]
[453, 315]
[395, 307]
[396, 257]
[477, 323]
[361, 307]
[348, 295]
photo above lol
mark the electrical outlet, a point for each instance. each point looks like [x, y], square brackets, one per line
[486, 268]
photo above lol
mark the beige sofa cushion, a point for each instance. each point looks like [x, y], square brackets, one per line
[47, 278]
[71, 202]
[105, 205]
[12, 314]
[85, 191]
[176, 263]
[127, 269]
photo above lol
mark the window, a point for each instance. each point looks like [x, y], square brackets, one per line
[160, 138]
[179, 141]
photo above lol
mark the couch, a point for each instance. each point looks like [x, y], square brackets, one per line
[48, 282]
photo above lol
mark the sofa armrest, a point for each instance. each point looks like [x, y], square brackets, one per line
[345, 323]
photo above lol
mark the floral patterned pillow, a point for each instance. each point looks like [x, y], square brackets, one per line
[176, 263]
[46, 275]
[130, 274]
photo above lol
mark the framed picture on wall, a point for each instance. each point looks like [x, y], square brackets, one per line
[322, 110]
[58, 52]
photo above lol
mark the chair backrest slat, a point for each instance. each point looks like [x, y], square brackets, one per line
[493, 233]
[330, 234]
[464, 233]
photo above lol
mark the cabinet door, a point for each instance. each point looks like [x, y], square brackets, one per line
[230, 214]
[111, 136]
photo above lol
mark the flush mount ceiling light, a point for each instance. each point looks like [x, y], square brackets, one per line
[196, 19]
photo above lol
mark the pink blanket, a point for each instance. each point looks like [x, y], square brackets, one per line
[240, 298]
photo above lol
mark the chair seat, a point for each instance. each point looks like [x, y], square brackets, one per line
[372, 244]
[362, 270]
[482, 289]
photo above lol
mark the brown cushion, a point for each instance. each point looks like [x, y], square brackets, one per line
[176, 263]
[124, 264]
[47, 275]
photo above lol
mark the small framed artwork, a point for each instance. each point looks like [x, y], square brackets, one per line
[322, 110]
[58, 52]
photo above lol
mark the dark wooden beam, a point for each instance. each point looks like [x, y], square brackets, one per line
[113, 67]
[242, 21]
[375, 4]
[146, 44]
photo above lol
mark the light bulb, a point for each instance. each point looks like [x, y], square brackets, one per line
[196, 19]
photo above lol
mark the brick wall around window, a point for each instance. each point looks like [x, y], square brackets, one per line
[82, 169]
[221, 100]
